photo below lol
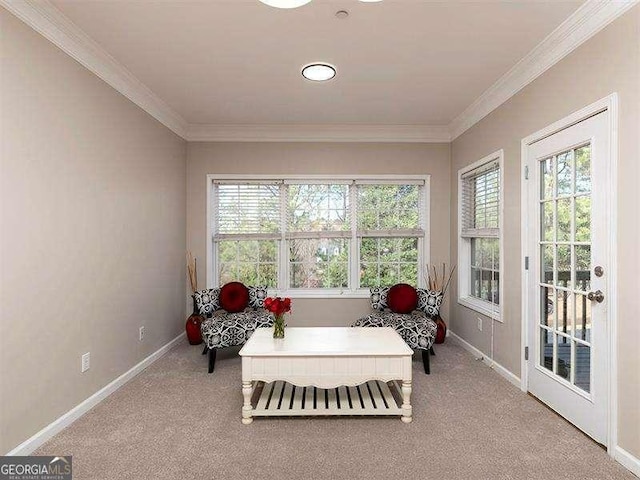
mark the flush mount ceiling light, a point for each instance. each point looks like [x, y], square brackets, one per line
[318, 72]
[297, 3]
[285, 3]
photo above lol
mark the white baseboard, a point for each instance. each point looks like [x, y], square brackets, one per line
[623, 457]
[509, 376]
[627, 460]
[31, 444]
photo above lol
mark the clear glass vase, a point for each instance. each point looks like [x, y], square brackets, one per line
[278, 326]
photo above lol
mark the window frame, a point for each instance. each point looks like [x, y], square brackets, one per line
[354, 290]
[465, 298]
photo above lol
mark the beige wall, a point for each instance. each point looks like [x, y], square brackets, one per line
[609, 62]
[92, 194]
[311, 159]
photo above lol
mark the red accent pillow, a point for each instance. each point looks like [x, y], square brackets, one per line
[234, 297]
[402, 298]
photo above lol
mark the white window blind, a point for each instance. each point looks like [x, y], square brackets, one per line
[318, 210]
[481, 201]
[247, 211]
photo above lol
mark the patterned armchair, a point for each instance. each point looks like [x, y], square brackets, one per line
[226, 329]
[416, 328]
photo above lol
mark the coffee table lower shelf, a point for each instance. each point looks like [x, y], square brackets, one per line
[278, 399]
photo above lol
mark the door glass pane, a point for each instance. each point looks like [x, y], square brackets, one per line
[563, 224]
[547, 264]
[563, 277]
[583, 367]
[583, 318]
[583, 219]
[583, 267]
[560, 309]
[547, 307]
[583, 169]
[547, 221]
[565, 173]
[563, 368]
[565, 312]
[546, 349]
[547, 178]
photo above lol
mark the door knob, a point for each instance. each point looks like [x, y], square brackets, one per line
[598, 296]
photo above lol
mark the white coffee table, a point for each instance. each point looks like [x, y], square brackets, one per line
[326, 371]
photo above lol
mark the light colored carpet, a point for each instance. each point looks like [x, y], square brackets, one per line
[174, 421]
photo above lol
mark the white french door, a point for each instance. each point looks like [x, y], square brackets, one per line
[568, 230]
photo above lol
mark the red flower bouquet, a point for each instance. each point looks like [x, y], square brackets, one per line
[278, 306]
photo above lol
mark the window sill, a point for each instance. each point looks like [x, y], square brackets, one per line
[485, 308]
[320, 294]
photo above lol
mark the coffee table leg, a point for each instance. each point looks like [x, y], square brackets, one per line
[406, 402]
[246, 407]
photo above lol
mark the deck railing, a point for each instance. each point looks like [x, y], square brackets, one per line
[583, 285]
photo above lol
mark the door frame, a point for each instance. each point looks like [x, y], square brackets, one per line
[610, 104]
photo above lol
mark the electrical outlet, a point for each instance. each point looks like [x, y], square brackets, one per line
[479, 323]
[141, 335]
[86, 362]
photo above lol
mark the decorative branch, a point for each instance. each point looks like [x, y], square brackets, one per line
[192, 270]
[446, 286]
[440, 284]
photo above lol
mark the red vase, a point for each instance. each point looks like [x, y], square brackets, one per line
[193, 329]
[193, 326]
[441, 333]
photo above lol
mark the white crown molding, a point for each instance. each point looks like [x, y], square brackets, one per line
[585, 22]
[319, 133]
[47, 20]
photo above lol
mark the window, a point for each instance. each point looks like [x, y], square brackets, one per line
[389, 229]
[247, 232]
[479, 218]
[318, 237]
[318, 233]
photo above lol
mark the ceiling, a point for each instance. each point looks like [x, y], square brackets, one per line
[237, 62]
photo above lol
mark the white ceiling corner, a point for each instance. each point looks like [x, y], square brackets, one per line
[47, 20]
[583, 24]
